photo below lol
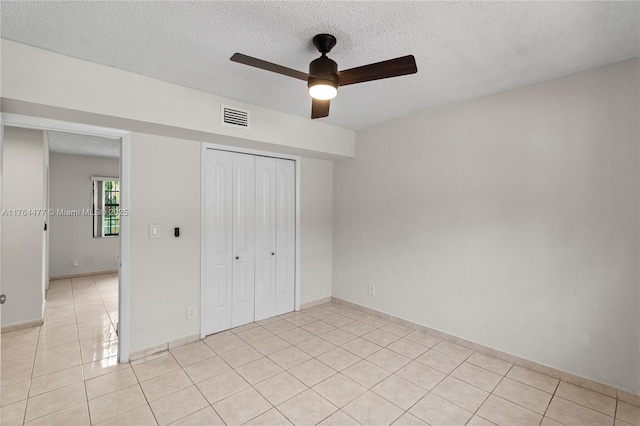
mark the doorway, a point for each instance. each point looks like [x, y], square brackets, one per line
[110, 286]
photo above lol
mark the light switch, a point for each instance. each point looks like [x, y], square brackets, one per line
[154, 230]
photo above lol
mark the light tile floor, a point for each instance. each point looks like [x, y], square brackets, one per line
[327, 365]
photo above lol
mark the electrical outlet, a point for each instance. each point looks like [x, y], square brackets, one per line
[191, 312]
[117, 257]
[74, 263]
[372, 290]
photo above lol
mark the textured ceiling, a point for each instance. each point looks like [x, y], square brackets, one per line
[463, 49]
[93, 146]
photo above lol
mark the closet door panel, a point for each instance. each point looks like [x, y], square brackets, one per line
[243, 239]
[218, 241]
[265, 306]
[285, 236]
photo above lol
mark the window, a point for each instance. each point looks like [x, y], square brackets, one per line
[106, 207]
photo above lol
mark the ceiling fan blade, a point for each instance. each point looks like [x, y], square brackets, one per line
[259, 63]
[385, 69]
[319, 108]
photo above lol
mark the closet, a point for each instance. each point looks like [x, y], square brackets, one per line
[248, 238]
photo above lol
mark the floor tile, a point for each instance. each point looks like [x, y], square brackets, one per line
[380, 337]
[316, 346]
[338, 321]
[533, 378]
[271, 345]
[281, 387]
[296, 336]
[453, 350]
[524, 395]
[487, 362]
[279, 326]
[546, 421]
[460, 393]
[205, 417]
[57, 380]
[437, 411]
[362, 348]
[476, 376]
[312, 372]
[178, 405]
[141, 416]
[259, 370]
[116, 403]
[338, 359]
[479, 421]
[590, 399]
[255, 334]
[421, 375]
[290, 357]
[225, 344]
[307, 408]
[399, 391]
[339, 418]
[156, 367]
[222, 386]
[397, 329]
[203, 370]
[111, 382]
[439, 361]
[502, 412]
[192, 353]
[372, 320]
[318, 327]
[339, 390]
[358, 328]
[628, 413]
[300, 320]
[371, 409]
[76, 415]
[389, 360]
[338, 337]
[319, 313]
[241, 356]
[14, 392]
[166, 384]
[13, 414]
[54, 401]
[272, 417]
[407, 348]
[572, 414]
[241, 407]
[366, 373]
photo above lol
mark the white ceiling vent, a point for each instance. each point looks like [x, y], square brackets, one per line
[235, 117]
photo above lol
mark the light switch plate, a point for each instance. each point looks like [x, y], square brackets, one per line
[154, 230]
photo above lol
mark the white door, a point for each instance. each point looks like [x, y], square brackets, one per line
[285, 236]
[218, 265]
[242, 310]
[265, 306]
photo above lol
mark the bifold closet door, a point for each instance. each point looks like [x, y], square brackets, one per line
[265, 238]
[285, 235]
[229, 228]
[275, 236]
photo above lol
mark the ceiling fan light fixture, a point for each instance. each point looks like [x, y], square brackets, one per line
[323, 90]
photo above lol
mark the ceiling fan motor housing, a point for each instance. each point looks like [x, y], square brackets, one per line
[323, 71]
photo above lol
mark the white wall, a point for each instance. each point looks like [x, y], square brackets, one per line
[316, 229]
[23, 234]
[165, 272]
[510, 220]
[43, 83]
[71, 237]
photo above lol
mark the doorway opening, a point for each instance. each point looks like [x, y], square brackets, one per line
[84, 223]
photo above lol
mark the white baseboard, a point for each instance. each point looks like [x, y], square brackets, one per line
[83, 274]
[316, 302]
[21, 325]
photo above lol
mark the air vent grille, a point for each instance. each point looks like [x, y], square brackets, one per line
[235, 117]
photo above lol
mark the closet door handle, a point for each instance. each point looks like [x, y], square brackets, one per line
[273, 254]
[237, 257]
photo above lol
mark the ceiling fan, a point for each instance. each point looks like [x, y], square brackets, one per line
[324, 78]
